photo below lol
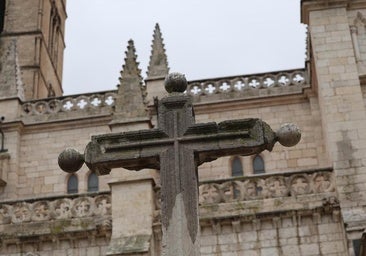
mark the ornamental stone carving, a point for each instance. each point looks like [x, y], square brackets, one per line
[249, 85]
[103, 205]
[21, 213]
[276, 187]
[62, 209]
[70, 103]
[57, 209]
[299, 185]
[264, 186]
[41, 211]
[323, 182]
[259, 85]
[5, 214]
[82, 207]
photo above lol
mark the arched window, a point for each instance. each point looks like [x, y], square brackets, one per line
[93, 182]
[72, 184]
[236, 167]
[2, 15]
[258, 165]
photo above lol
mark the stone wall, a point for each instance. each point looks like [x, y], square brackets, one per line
[341, 106]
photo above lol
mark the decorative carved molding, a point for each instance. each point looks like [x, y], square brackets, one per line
[236, 87]
[265, 186]
[246, 86]
[308, 6]
[257, 187]
[69, 103]
[58, 209]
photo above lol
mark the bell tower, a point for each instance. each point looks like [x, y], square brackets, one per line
[37, 27]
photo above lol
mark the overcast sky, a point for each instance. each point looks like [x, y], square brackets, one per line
[203, 38]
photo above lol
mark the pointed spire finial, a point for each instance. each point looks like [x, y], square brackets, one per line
[158, 65]
[130, 101]
[130, 68]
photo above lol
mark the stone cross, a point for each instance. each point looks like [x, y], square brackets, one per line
[177, 147]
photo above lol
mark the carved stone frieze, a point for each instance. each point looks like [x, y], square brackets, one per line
[58, 209]
[237, 87]
[251, 85]
[69, 104]
[262, 187]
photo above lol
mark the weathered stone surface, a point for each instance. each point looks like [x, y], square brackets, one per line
[177, 147]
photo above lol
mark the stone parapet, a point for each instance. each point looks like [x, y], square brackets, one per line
[251, 195]
[73, 105]
[249, 86]
[277, 185]
[242, 87]
[53, 217]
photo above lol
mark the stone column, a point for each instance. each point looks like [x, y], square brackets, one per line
[132, 217]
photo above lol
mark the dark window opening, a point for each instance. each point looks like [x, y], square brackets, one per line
[2, 15]
[54, 33]
[93, 183]
[357, 246]
[236, 167]
[258, 165]
[72, 185]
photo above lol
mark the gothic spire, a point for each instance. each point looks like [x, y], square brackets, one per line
[130, 101]
[130, 68]
[10, 80]
[158, 66]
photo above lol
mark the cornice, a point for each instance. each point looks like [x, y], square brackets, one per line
[308, 6]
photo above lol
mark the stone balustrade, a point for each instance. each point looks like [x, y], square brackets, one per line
[69, 103]
[63, 208]
[267, 186]
[235, 87]
[264, 186]
[245, 84]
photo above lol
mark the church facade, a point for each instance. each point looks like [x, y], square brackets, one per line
[309, 199]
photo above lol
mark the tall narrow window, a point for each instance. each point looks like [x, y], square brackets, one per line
[236, 167]
[54, 33]
[258, 165]
[356, 246]
[72, 184]
[93, 183]
[2, 15]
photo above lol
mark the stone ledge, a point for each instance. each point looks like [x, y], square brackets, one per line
[130, 245]
[266, 206]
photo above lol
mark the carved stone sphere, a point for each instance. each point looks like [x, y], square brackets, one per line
[70, 160]
[175, 82]
[288, 135]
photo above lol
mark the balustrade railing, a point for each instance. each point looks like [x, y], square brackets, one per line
[98, 205]
[69, 103]
[245, 83]
[267, 186]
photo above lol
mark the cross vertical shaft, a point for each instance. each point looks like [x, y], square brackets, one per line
[179, 181]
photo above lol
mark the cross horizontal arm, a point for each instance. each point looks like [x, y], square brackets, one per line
[142, 149]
